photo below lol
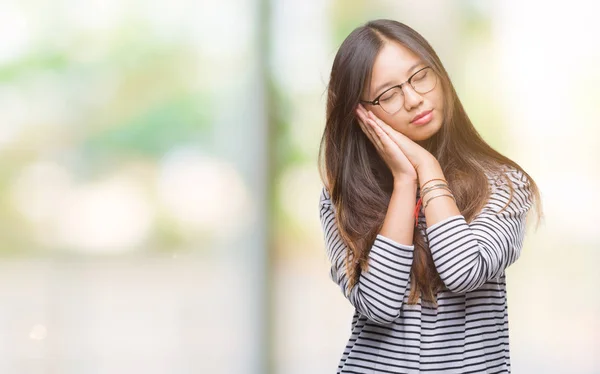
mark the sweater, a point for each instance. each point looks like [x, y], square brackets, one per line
[468, 330]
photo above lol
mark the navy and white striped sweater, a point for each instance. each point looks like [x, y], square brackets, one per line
[468, 331]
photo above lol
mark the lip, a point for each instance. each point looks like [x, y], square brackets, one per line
[423, 117]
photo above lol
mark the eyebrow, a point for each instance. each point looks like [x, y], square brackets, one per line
[390, 83]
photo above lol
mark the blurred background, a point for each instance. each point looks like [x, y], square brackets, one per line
[159, 185]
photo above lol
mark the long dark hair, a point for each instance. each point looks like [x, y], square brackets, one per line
[359, 181]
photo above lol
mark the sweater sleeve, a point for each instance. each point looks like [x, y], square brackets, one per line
[379, 292]
[468, 255]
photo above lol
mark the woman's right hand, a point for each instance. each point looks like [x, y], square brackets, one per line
[389, 151]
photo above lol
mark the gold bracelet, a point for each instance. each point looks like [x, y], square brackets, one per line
[434, 179]
[427, 203]
[435, 187]
[440, 188]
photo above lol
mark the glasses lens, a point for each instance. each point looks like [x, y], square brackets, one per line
[392, 100]
[424, 81]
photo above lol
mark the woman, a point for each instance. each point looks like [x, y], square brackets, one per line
[421, 217]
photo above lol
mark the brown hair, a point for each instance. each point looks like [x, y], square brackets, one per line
[358, 180]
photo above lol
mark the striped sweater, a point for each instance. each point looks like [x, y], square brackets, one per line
[468, 331]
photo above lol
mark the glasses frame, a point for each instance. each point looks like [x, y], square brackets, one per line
[409, 81]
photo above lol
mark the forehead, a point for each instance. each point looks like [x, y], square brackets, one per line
[392, 63]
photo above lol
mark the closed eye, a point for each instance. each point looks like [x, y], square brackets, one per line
[421, 75]
[388, 96]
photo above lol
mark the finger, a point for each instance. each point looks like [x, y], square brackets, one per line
[366, 128]
[377, 120]
[361, 112]
[396, 136]
[362, 109]
[378, 137]
[372, 135]
[384, 140]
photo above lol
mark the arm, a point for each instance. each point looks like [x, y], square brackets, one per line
[468, 255]
[379, 292]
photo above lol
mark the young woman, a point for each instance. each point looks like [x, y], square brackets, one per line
[421, 217]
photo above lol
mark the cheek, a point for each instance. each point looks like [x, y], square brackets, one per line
[396, 121]
[439, 99]
[380, 113]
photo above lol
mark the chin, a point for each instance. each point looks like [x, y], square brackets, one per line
[425, 133]
[421, 136]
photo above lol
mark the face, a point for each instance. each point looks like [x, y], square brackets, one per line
[394, 65]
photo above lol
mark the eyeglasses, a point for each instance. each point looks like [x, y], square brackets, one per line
[392, 99]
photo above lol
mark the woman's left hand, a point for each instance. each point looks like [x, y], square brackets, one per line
[416, 154]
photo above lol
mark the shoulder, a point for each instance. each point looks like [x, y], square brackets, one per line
[325, 196]
[509, 190]
[508, 175]
[325, 199]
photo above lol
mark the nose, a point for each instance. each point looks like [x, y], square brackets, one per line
[411, 98]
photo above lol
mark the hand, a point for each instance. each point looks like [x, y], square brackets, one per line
[416, 154]
[388, 150]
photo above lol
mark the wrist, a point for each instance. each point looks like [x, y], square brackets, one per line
[402, 183]
[428, 162]
[430, 170]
